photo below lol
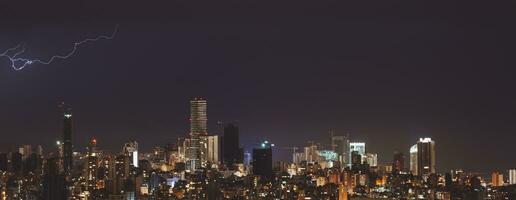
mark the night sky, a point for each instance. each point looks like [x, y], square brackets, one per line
[386, 72]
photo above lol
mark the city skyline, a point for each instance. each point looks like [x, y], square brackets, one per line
[202, 165]
[387, 73]
[198, 110]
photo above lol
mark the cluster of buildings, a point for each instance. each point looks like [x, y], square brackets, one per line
[211, 166]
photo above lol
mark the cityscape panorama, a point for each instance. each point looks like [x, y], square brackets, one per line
[201, 165]
[257, 100]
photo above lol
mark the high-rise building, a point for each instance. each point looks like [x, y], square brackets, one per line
[497, 179]
[340, 144]
[93, 149]
[398, 163]
[371, 159]
[413, 159]
[198, 127]
[425, 156]
[198, 116]
[130, 150]
[356, 159]
[298, 157]
[91, 164]
[232, 154]
[311, 153]
[181, 144]
[25, 150]
[67, 141]
[210, 149]
[359, 147]
[262, 161]
[193, 153]
[512, 176]
[54, 183]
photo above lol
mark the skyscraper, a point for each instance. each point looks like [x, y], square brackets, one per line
[198, 127]
[311, 154]
[425, 156]
[512, 176]
[91, 164]
[262, 161]
[359, 147]
[371, 159]
[398, 163]
[340, 144]
[67, 141]
[130, 150]
[198, 116]
[210, 149]
[54, 183]
[231, 145]
[356, 159]
[413, 159]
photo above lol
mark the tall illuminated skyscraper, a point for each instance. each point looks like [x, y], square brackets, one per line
[210, 147]
[91, 165]
[512, 176]
[413, 159]
[198, 116]
[67, 141]
[198, 127]
[130, 150]
[425, 156]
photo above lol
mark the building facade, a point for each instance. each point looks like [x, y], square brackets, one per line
[262, 161]
[340, 144]
[425, 157]
[231, 145]
[497, 179]
[512, 176]
[413, 160]
[210, 147]
[359, 147]
[198, 128]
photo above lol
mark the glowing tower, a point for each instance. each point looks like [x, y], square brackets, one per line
[425, 156]
[198, 128]
[67, 141]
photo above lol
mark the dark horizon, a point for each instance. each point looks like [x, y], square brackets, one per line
[387, 73]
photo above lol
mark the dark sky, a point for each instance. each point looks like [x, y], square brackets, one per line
[387, 72]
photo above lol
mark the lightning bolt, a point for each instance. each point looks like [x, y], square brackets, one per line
[18, 63]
